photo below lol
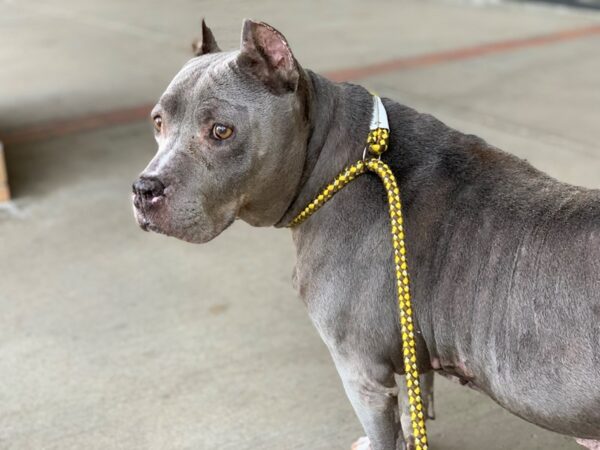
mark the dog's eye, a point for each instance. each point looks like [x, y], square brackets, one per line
[157, 122]
[221, 131]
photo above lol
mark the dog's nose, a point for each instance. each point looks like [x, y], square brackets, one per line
[148, 187]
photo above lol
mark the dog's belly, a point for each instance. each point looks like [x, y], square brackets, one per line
[565, 414]
[557, 391]
[562, 395]
[570, 407]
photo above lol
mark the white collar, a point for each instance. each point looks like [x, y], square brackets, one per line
[379, 117]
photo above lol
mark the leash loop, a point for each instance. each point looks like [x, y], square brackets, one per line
[377, 143]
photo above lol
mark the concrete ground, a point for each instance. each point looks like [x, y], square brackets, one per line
[111, 338]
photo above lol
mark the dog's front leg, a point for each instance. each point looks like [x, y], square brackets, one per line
[371, 388]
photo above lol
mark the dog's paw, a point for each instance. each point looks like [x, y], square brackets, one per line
[589, 444]
[362, 443]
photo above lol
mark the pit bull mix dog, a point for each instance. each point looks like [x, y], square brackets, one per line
[505, 260]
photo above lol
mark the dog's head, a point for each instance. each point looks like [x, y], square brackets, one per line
[231, 130]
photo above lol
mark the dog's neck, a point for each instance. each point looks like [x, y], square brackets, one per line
[339, 116]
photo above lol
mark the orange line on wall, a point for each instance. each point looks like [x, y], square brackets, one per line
[477, 51]
[57, 128]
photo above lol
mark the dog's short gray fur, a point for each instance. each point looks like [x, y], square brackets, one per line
[505, 260]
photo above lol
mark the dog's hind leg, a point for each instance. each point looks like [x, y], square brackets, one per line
[426, 381]
[589, 444]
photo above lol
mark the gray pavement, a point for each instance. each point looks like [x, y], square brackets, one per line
[111, 338]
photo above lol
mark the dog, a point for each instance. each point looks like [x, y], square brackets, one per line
[505, 260]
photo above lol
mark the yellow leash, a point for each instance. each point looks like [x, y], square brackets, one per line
[377, 143]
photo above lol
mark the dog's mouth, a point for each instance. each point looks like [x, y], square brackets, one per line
[143, 213]
[146, 225]
[151, 218]
[156, 214]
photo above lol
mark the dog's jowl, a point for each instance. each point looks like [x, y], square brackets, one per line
[505, 261]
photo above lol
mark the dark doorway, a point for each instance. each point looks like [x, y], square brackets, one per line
[589, 4]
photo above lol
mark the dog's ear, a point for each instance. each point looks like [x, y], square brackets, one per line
[206, 44]
[265, 54]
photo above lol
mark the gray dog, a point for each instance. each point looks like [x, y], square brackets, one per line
[505, 260]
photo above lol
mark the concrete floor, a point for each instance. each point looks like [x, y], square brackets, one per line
[111, 338]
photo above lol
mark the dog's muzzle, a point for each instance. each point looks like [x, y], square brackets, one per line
[147, 192]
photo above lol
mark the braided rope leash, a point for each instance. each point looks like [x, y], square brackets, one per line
[377, 143]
